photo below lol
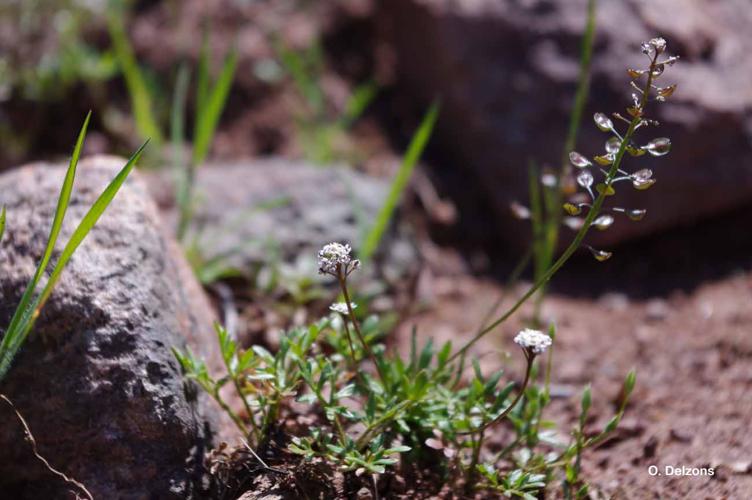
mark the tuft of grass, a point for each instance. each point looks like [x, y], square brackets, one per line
[31, 303]
[142, 101]
[211, 100]
[321, 136]
[399, 183]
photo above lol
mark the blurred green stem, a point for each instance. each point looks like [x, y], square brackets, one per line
[548, 238]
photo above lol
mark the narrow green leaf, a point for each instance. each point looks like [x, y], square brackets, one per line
[177, 116]
[184, 171]
[629, 383]
[202, 89]
[85, 226]
[2, 223]
[359, 100]
[206, 122]
[138, 91]
[399, 183]
[14, 334]
[583, 82]
[304, 69]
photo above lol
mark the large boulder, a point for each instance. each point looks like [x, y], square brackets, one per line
[506, 72]
[96, 380]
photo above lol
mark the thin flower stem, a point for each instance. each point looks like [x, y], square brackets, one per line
[500, 417]
[471, 471]
[572, 248]
[551, 225]
[349, 342]
[343, 285]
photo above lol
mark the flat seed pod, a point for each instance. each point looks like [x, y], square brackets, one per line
[578, 160]
[603, 122]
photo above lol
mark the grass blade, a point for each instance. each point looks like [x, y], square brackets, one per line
[583, 83]
[177, 115]
[211, 110]
[28, 311]
[183, 171]
[2, 223]
[87, 223]
[361, 98]
[399, 183]
[138, 91]
[202, 89]
[304, 68]
[23, 308]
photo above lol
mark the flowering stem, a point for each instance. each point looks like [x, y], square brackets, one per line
[592, 214]
[555, 196]
[529, 357]
[349, 342]
[343, 285]
[471, 470]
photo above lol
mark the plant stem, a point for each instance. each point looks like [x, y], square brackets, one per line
[251, 415]
[343, 285]
[592, 214]
[553, 197]
[349, 342]
[234, 416]
[471, 472]
[520, 394]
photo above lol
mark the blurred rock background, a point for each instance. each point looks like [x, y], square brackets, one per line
[505, 72]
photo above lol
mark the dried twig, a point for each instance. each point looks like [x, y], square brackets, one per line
[30, 438]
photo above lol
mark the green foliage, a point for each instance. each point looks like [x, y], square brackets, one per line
[399, 183]
[211, 99]
[31, 303]
[2, 223]
[321, 135]
[46, 75]
[410, 406]
[142, 101]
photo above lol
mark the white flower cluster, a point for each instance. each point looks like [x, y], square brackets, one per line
[335, 258]
[533, 341]
[658, 44]
[341, 307]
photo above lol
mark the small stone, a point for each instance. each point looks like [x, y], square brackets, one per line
[648, 450]
[680, 436]
[657, 310]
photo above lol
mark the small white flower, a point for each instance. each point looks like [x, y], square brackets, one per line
[341, 307]
[533, 341]
[659, 44]
[334, 257]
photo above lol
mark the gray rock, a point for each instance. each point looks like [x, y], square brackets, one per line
[97, 381]
[259, 211]
[506, 72]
